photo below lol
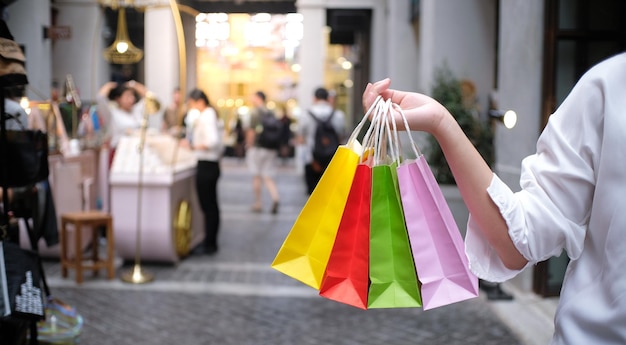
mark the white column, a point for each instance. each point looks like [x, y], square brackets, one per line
[402, 57]
[312, 50]
[311, 57]
[161, 54]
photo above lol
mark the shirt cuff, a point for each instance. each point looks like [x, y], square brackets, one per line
[483, 259]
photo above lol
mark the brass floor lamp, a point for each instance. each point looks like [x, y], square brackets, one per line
[137, 275]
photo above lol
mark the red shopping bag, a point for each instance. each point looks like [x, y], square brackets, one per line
[305, 252]
[437, 245]
[346, 278]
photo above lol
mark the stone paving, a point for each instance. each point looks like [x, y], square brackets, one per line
[234, 297]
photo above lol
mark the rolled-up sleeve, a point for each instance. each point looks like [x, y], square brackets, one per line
[483, 259]
[551, 211]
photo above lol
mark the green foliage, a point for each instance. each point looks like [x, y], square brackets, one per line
[448, 91]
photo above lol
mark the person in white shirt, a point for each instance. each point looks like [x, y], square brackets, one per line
[16, 117]
[571, 199]
[121, 107]
[204, 137]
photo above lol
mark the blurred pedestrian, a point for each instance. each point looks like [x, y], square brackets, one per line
[121, 107]
[262, 144]
[204, 137]
[285, 142]
[173, 114]
[320, 131]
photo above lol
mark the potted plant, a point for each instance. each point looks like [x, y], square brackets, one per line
[459, 98]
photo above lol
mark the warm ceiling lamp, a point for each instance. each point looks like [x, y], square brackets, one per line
[122, 51]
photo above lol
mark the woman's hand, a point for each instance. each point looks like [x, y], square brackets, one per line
[137, 86]
[423, 113]
[473, 176]
[106, 88]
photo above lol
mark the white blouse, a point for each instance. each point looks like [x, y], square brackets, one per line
[573, 198]
[119, 122]
[205, 129]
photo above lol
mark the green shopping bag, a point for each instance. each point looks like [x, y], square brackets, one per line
[393, 280]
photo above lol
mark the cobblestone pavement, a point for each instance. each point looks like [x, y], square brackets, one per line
[234, 297]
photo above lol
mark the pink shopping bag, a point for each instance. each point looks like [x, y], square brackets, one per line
[437, 245]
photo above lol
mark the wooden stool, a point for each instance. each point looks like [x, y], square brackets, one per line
[93, 219]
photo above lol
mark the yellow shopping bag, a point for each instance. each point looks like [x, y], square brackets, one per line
[306, 250]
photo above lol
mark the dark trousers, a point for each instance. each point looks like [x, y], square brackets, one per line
[312, 176]
[207, 174]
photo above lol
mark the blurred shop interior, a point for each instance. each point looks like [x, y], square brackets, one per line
[239, 53]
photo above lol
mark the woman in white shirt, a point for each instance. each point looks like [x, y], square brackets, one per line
[204, 137]
[121, 107]
[571, 199]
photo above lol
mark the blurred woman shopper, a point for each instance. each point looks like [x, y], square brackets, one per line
[571, 199]
[121, 107]
[204, 137]
[172, 114]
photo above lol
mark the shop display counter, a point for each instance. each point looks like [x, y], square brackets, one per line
[160, 201]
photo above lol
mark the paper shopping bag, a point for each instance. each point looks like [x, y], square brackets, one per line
[392, 271]
[436, 242]
[346, 278]
[435, 239]
[305, 252]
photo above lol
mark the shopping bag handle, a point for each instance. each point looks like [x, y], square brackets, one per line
[382, 133]
[370, 138]
[359, 127]
[414, 146]
[387, 135]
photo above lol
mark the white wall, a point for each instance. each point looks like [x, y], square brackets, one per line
[81, 55]
[401, 58]
[463, 34]
[312, 50]
[520, 77]
[25, 19]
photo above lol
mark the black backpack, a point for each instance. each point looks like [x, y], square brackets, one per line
[326, 140]
[271, 132]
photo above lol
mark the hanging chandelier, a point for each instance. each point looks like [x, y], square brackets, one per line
[122, 51]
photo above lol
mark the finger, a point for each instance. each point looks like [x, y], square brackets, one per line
[374, 90]
[380, 86]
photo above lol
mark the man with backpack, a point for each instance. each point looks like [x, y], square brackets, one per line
[320, 130]
[263, 139]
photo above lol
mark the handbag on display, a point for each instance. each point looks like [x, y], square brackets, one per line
[27, 152]
[437, 244]
[21, 295]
